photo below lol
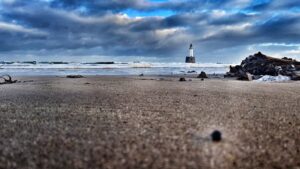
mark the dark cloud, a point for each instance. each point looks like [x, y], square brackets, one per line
[93, 27]
[96, 6]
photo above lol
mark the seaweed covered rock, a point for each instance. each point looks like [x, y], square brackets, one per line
[259, 64]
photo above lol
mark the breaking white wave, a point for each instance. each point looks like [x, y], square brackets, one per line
[268, 78]
[130, 68]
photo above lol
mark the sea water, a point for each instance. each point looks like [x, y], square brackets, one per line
[128, 68]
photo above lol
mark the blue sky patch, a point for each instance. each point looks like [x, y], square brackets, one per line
[137, 13]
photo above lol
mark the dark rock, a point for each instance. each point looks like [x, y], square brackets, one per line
[216, 136]
[295, 75]
[182, 79]
[202, 79]
[141, 74]
[202, 75]
[191, 71]
[228, 74]
[74, 76]
[286, 58]
[260, 64]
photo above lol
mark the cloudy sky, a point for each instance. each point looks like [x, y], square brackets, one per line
[150, 30]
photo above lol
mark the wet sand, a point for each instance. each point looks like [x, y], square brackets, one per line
[148, 122]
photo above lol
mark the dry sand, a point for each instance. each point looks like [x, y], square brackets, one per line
[136, 122]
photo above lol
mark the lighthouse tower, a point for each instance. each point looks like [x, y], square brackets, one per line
[190, 58]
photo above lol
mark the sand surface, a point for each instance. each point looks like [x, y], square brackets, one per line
[145, 122]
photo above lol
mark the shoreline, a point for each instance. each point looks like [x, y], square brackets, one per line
[174, 77]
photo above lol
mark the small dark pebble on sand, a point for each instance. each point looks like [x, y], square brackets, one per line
[216, 136]
[182, 79]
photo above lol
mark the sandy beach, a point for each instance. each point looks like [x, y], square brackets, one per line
[112, 122]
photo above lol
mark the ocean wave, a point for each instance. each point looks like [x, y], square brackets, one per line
[109, 65]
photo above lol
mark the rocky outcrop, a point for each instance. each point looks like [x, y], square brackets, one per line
[202, 75]
[257, 65]
[296, 76]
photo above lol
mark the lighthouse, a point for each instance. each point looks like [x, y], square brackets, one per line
[190, 58]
